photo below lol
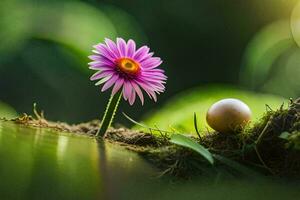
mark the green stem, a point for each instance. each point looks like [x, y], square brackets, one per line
[109, 114]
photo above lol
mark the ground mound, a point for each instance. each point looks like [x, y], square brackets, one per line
[270, 146]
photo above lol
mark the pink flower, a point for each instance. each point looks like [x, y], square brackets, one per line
[121, 66]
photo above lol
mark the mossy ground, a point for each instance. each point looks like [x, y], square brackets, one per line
[271, 146]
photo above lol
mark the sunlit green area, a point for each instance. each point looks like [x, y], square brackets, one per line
[177, 114]
[295, 23]
[271, 59]
[7, 111]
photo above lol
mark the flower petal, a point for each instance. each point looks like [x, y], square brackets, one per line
[104, 51]
[138, 91]
[127, 89]
[95, 57]
[130, 48]
[121, 44]
[102, 61]
[149, 55]
[101, 68]
[141, 53]
[101, 74]
[117, 86]
[148, 90]
[109, 83]
[153, 74]
[151, 63]
[112, 47]
[103, 80]
[132, 97]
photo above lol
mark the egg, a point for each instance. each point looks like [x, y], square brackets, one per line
[227, 115]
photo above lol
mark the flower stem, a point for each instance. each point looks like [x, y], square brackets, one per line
[109, 114]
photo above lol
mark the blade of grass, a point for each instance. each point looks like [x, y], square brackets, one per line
[196, 125]
[143, 125]
[135, 122]
[191, 144]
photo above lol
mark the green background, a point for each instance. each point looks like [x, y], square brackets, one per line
[251, 44]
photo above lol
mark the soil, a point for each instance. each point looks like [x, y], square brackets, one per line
[269, 147]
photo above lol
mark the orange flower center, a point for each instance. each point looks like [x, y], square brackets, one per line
[128, 66]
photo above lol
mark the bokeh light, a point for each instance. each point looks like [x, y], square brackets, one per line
[270, 64]
[43, 57]
[295, 23]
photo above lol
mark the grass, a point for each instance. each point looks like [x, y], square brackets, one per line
[269, 147]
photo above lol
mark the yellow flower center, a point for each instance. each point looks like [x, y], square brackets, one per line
[128, 66]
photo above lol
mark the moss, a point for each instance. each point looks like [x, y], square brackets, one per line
[259, 146]
[268, 148]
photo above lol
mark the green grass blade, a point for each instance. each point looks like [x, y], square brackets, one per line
[189, 143]
[143, 125]
[135, 122]
[196, 125]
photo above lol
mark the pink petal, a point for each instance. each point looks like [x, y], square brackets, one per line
[101, 74]
[151, 63]
[101, 68]
[104, 51]
[153, 74]
[141, 53]
[148, 90]
[154, 96]
[149, 55]
[154, 87]
[103, 61]
[155, 70]
[138, 91]
[127, 89]
[130, 48]
[154, 82]
[121, 44]
[117, 86]
[95, 57]
[132, 97]
[154, 78]
[112, 47]
[109, 83]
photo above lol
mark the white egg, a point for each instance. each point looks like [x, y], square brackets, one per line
[227, 115]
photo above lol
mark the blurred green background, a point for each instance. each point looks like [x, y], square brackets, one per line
[249, 44]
